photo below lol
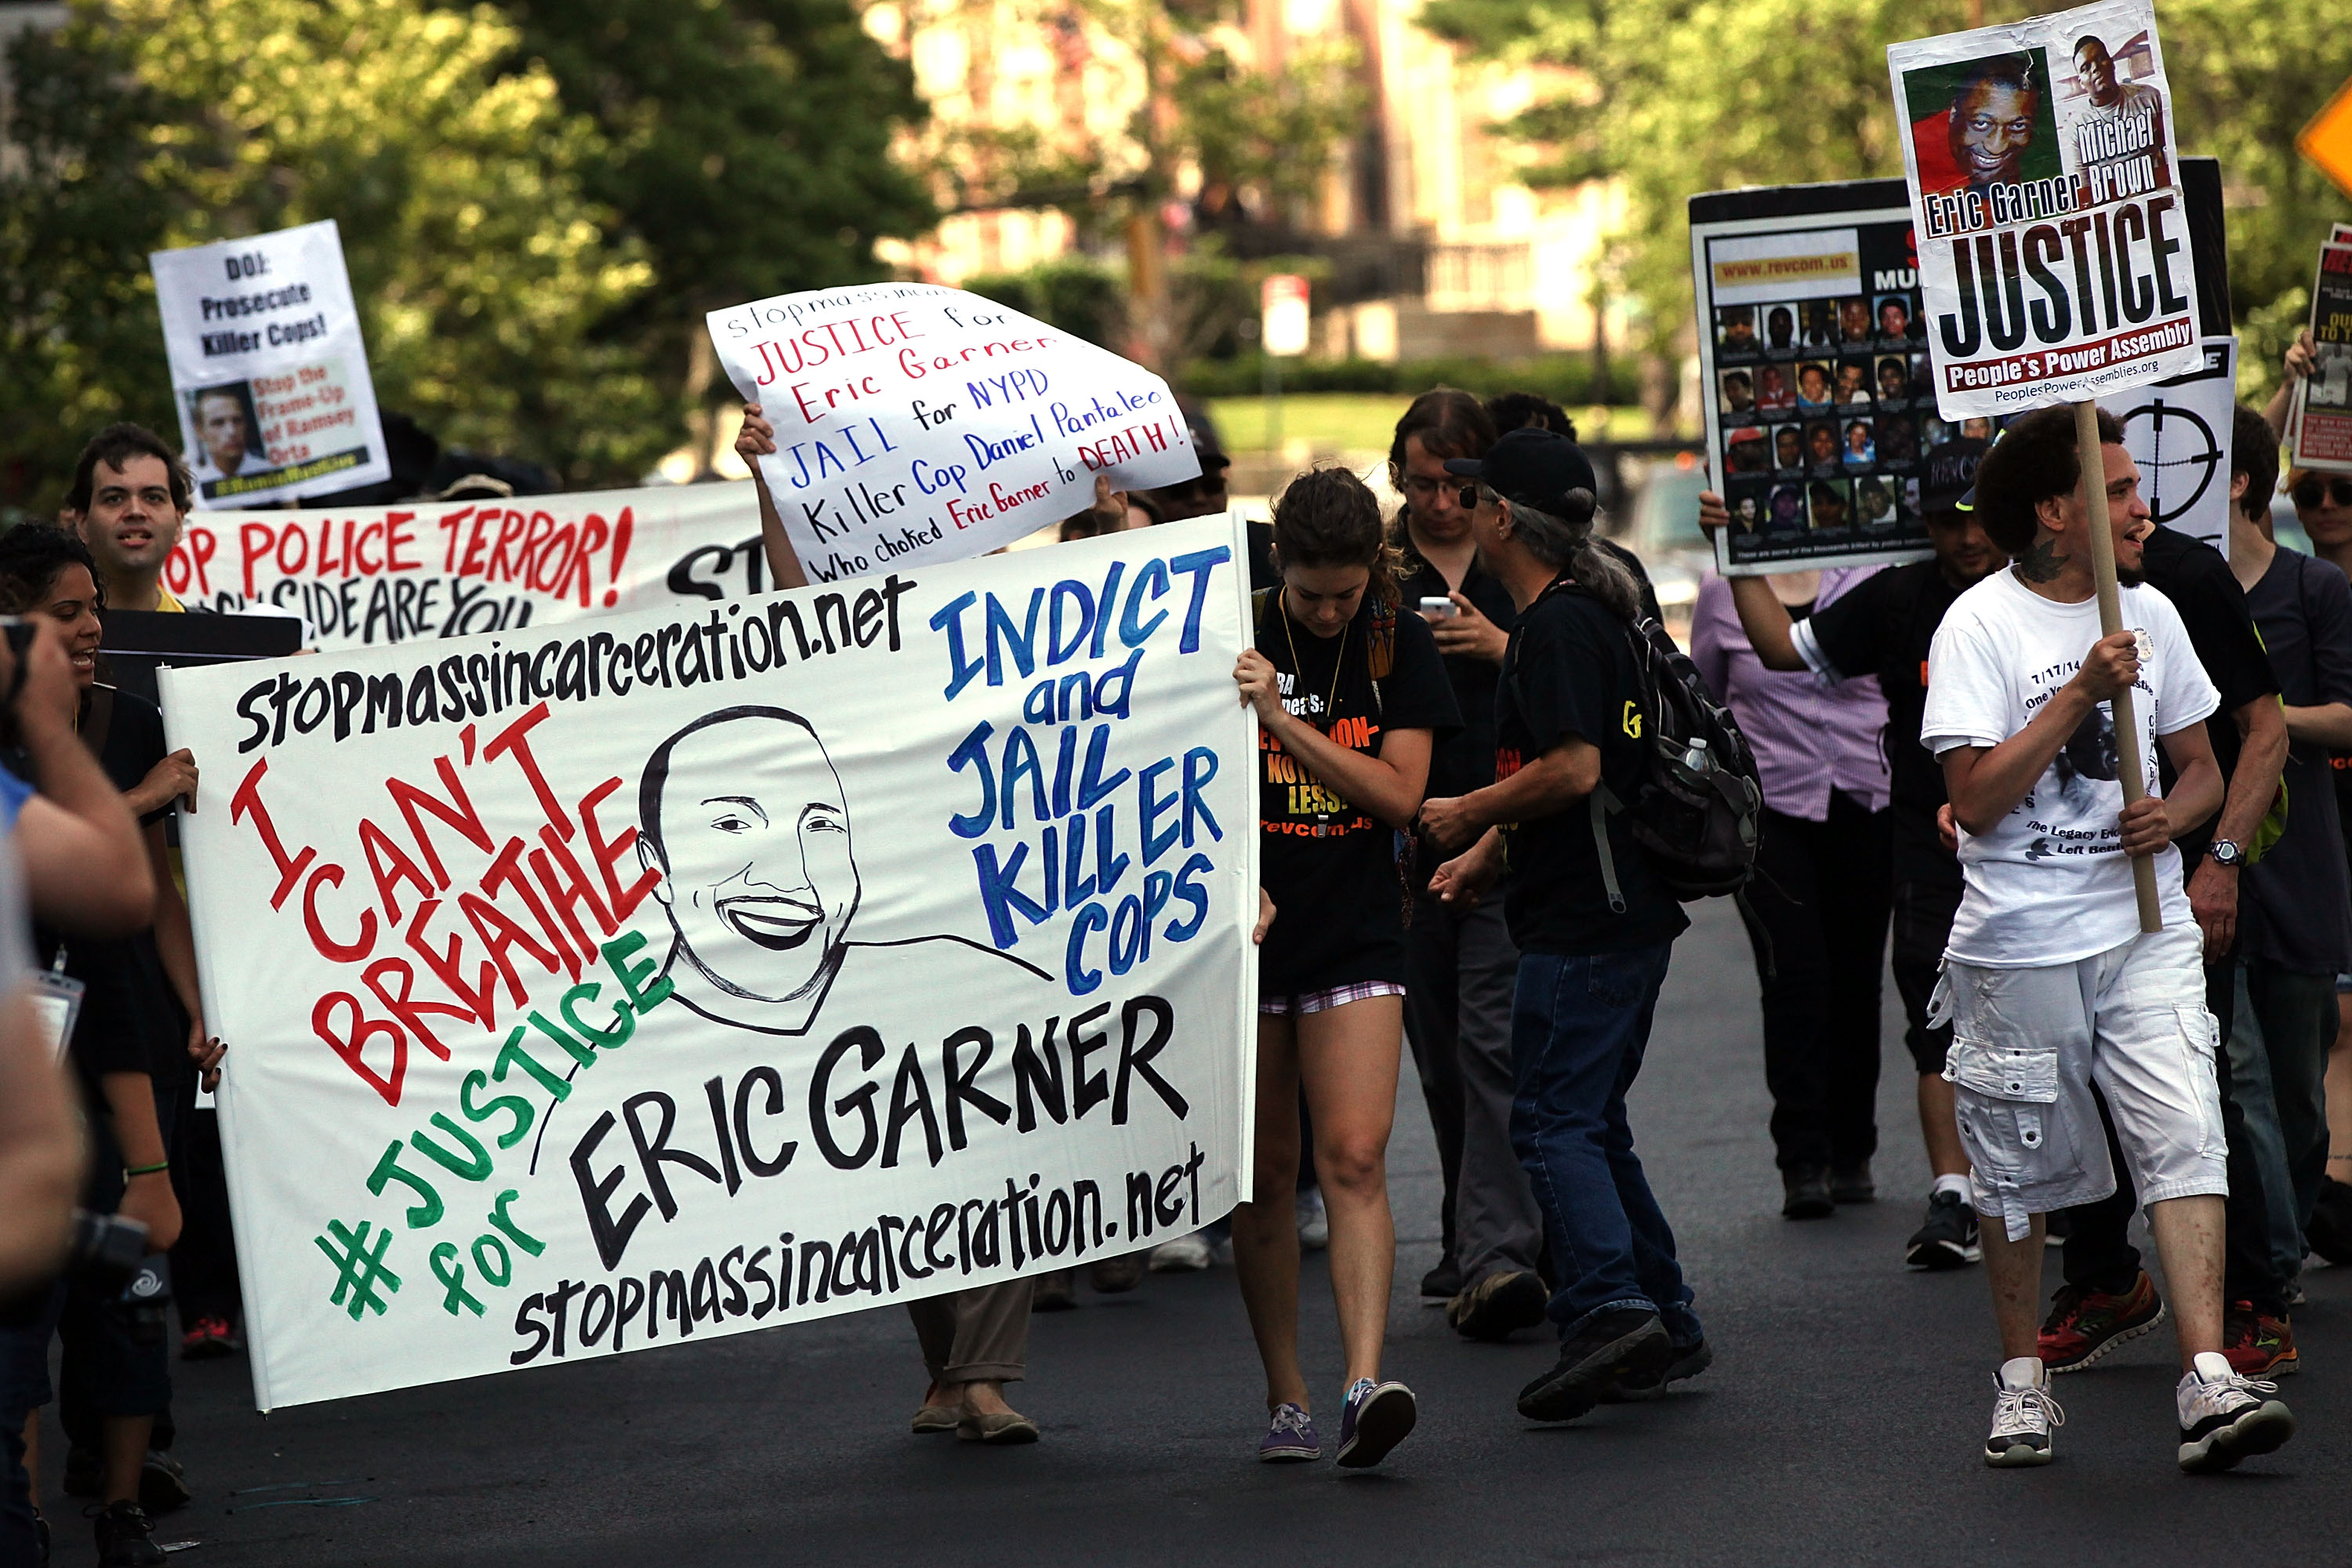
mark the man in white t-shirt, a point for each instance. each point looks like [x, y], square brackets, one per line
[2050, 984]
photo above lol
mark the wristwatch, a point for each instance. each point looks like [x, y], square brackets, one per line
[2225, 852]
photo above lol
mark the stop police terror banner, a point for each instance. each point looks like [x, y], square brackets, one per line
[679, 973]
[2054, 251]
[366, 576]
[916, 423]
[268, 369]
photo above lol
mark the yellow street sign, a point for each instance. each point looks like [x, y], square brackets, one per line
[2327, 140]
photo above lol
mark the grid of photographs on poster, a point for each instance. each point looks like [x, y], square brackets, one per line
[1826, 410]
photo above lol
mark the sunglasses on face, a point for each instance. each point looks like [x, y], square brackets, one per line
[2311, 492]
[1465, 494]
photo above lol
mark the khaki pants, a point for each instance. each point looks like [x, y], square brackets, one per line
[975, 1336]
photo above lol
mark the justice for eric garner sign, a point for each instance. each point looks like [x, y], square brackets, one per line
[267, 367]
[367, 576]
[2054, 249]
[916, 423]
[687, 972]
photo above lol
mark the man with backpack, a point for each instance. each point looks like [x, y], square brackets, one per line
[1593, 917]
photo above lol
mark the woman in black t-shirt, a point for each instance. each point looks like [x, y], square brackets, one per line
[1349, 693]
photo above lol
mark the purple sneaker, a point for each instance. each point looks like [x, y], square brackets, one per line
[1375, 1419]
[1290, 1438]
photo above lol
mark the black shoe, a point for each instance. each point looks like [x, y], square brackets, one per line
[1442, 1283]
[1689, 1362]
[1054, 1292]
[1806, 1193]
[85, 1474]
[2330, 1230]
[125, 1537]
[1949, 1239]
[1626, 1346]
[162, 1485]
[1852, 1184]
[1498, 1306]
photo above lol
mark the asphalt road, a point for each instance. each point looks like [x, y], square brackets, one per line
[1840, 1424]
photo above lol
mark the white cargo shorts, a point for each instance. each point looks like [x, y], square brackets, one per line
[2029, 1044]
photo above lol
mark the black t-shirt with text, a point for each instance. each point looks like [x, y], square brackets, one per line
[2197, 578]
[1571, 671]
[1331, 869]
[131, 1019]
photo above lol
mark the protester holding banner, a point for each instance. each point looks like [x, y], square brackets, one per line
[1885, 626]
[1593, 922]
[2049, 981]
[2108, 1297]
[1817, 912]
[1349, 693]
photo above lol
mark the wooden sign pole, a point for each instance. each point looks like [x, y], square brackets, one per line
[2111, 621]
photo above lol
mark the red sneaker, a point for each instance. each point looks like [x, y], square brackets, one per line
[2258, 1344]
[208, 1338]
[2084, 1325]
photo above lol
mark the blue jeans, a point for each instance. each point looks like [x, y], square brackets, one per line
[1579, 1028]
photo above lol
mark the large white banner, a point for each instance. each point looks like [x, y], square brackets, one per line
[370, 575]
[2054, 250]
[267, 367]
[596, 987]
[916, 423]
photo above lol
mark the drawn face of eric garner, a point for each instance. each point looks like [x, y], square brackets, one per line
[744, 815]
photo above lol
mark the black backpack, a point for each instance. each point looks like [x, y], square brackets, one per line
[1697, 812]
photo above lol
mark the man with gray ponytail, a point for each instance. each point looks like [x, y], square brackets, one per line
[1568, 729]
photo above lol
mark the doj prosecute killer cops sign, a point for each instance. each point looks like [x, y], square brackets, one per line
[916, 424]
[2054, 252]
[370, 575]
[681, 973]
[267, 367]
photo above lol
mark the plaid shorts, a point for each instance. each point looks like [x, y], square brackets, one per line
[1302, 1001]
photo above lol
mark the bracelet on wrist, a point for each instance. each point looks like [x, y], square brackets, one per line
[159, 1166]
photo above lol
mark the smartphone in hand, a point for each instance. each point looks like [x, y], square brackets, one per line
[1440, 609]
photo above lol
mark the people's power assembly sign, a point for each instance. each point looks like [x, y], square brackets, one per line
[661, 976]
[267, 367]
[916, 423]
[365, 576]
[2054, 252]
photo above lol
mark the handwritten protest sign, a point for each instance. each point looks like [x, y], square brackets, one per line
[2052, 247]
[267, 367]
[1821, 414]
[2321, 437]
[675, 973]
[365, 576]
[916, 424]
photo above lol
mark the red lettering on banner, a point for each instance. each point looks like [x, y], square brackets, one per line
[255, 540]
[516, 738]
[408, 1012]
[352, 1045]
[622, 902]
[397, 536]
[247, 802]
[388, 864]
[327, 947]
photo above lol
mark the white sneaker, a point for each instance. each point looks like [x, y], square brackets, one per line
[1185, 1254]
[1314, 1225]
[2225, 1416]
[2023, 1415]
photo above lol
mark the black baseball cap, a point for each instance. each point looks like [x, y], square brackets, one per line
[1533, 468]
[1950, 480]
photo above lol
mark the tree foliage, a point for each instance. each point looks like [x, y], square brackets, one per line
[749, 144]
[1674, 97]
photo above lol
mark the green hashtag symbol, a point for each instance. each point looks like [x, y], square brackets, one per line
[358, 1268]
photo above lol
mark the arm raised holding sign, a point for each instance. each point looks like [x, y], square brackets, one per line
[757, 439]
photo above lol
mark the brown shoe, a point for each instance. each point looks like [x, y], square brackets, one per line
[1053, 1292]
[936, 1418]
[1113, 1274]
[1005, 1429]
